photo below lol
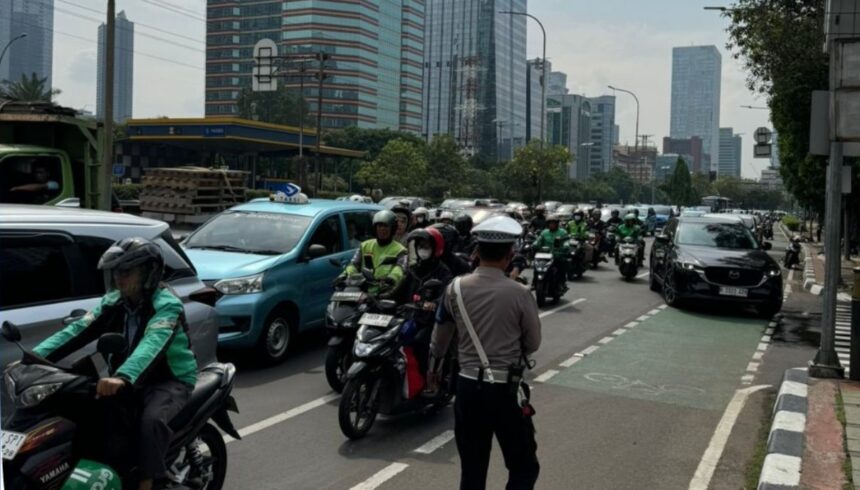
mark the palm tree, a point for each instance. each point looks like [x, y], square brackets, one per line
[29, 89]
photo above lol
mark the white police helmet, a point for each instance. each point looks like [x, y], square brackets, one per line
[498, 229]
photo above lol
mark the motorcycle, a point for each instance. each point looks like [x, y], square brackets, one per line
[41, 447]
[344, 309]
[384, 378]
[610, 240]
[792, 255]
[627, 258]
[547, 280]
[576, 265]
[768, 230]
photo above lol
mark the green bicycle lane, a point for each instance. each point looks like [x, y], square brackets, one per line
[676, 357]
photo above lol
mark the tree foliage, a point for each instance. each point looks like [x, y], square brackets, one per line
[536, 166]
[679, 187]
[370, 141]
[400, 168]
[28, 89]
[447, 169]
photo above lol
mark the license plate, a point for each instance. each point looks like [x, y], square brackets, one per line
[346, 296]
[10, 443]
[738, 292]
[543, 256]
[375, 319]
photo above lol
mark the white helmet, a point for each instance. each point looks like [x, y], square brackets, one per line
[446, 215]
[421, 211]
[498, 229]
[356, 198]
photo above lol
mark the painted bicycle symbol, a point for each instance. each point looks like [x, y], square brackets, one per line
[618, 382]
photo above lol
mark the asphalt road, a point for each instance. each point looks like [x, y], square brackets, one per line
[638, 407]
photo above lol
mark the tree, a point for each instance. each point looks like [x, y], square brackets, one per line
[29, 89]
[623, 186]
[536, 165]
[447, 168]
[400, 168]
[370, 141]
[282, 106]
[730, 187]
[780, 45]
[679, 188]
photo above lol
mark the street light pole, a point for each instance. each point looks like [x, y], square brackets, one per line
[543, 72]
[636, 143]
[107, 109]
[19, 36]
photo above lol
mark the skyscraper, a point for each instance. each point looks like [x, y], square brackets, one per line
[569, 124]
[475, 74]
[557, 84]
[6, 35]
[696, 72]
[123, 70]
[730, 153]
[374, 70]
[34, 53]
[602, 137]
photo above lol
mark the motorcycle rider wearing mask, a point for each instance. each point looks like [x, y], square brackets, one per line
[420, 218]
[425, 248]
[555, 239]
[373, 252]
[630, 228]
[158, 367]
[538, 222]
[578, 228]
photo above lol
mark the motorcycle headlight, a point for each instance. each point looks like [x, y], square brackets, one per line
[34, 395]
[364, 349]
[774, 273]
[241, 285]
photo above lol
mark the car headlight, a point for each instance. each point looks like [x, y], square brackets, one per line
[774, 273]
[240, 285]
[692, 266]
[34, 395]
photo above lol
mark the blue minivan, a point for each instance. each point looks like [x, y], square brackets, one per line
[271, 262]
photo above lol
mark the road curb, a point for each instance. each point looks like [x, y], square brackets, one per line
[782, 464]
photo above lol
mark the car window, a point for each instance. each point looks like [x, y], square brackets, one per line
[720, 235]
[30, 179]
[328, 235]
[41, 268]
[250, 232]
[359, 227]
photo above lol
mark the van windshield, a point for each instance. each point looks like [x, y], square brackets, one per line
[250, 232]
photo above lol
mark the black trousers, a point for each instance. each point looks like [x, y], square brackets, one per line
[480, 411]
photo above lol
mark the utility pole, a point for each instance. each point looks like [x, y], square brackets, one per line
[320, 77]
[107, 112]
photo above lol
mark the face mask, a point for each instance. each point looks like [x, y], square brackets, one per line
[424, 253]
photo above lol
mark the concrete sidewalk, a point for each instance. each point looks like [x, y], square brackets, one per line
[814, 258]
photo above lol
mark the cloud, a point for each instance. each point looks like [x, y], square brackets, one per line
[83, 66]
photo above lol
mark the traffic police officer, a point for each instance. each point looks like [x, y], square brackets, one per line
[497, 327]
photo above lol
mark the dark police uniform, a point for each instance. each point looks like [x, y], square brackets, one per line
[504, 317]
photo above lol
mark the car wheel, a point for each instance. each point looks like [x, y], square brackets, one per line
[275, 338]
[652, 278]
[670, 289]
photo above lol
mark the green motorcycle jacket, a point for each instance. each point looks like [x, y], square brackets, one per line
[371, 255]
[625, 231]
[548, 239]
[578, 230]
[162, 352]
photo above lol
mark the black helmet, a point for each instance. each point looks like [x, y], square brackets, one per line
[385, 217]
[463, 222]
[129, 253]
[449, 234]
[615, 212]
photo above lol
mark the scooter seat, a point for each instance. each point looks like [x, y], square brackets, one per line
[208, 382]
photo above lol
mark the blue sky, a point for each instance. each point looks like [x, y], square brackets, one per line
[596, 42]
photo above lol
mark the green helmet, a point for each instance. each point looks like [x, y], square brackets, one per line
[385, 217]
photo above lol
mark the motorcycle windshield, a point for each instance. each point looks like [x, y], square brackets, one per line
[23, 376]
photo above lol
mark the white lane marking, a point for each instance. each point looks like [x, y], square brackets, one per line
[283, 416]
[752, 367]
[644, 274]
[790, 421]
[791, 275]
[589, 350]
[748, 378]
[708, 464]
[781, 469]
[762, 346]
[435, 443]
[642, 318]
[631, 324]
[654, 311]
[662, 307]
[619, 331]
[543, 378]
[769, 331]
[381, 476]
[561, 307]
[570, 362]
[757, 355]
[605, 340]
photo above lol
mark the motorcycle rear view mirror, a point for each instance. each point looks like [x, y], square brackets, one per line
[74, 315]
[111, 343]
[334, 262]
[10, 332]
[662, 238]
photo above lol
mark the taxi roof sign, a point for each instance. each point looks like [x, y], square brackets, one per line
[289, 194]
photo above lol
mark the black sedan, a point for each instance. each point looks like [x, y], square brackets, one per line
[715, 259]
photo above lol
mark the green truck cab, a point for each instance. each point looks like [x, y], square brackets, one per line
[49, 155]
